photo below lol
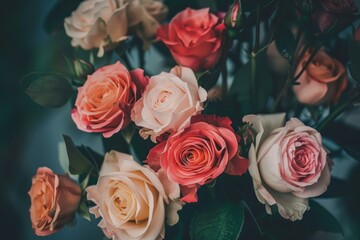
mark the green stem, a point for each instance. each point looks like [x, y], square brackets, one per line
[339, 110]
[224, 73]
[253, 78]
[246, 206]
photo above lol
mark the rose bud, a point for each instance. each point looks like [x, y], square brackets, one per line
[323, 81]
[288, 164]
[82, 68]
[234, 17]
[54, 201]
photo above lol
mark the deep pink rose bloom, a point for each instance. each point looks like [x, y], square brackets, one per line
[194, 38]
[199, 154]
[105, 101]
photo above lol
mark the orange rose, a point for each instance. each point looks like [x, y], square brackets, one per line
[104, 102]
[54, 201]
[322, 82]
[194, 38]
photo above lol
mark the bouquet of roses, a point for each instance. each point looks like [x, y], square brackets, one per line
[224, 143]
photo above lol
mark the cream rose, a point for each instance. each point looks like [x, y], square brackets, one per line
[101, 23]
[288, 164]
[168, 102]
[132, 199]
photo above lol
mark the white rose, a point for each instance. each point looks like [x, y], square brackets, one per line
[102, 23]
[132, 200]
[168, 102]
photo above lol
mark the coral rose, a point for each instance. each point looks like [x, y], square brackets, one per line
[322, 82]
[102, 23]
[288, 164]
[131, 199]
[194, 38]
[54, 201]
[199, 154]
[168, 102]
[104, 102]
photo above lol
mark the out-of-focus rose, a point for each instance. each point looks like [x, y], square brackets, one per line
[199, 154]
[132, 199]
[168, 102]
[102, 23]
[357, 34]
[194, 38]
[334, 11]
[54, 201]
[104, 102]
[322, 82]
[288, 164]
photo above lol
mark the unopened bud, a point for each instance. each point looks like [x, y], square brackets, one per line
[234, 17]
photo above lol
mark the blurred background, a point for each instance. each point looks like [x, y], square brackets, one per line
[30, 134]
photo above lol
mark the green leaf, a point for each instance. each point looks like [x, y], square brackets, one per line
[84, 211]
[284, 40]
[78, 163]
[242, 86]
[220, 221]
[48, 89]
[209, 78]
[322, 219]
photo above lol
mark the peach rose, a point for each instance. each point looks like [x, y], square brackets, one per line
[288, 164]
[322, 82]
[194, 38]
[168, 102]
[102, 23]
[104, 102]
[199, 154]
[132, 199]
[54, 201]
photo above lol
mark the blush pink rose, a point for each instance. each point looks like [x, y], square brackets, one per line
[168, 102]
[194, 38]
[133, 200]
[54, 201]
[288, 164]
[199, 154]
[322, 82]
[104, 102]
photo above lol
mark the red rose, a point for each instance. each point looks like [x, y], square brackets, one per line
[199, 154]
[194, 38]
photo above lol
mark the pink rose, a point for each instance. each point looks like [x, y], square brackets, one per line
[322, 82]
[54, 201]
[199, 154]
[104, 102]
[288, 164]
[168, 102]
[194, 38]
[132, 199]
[103, 23]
